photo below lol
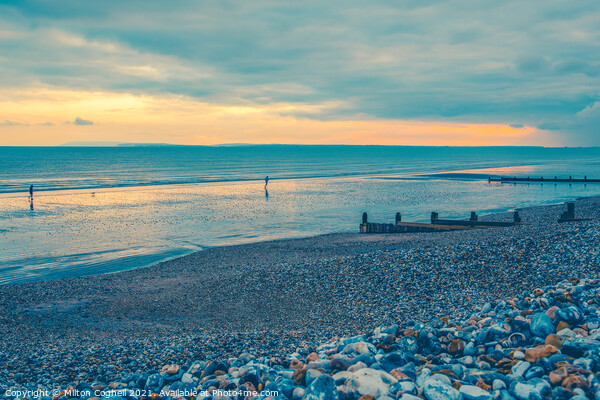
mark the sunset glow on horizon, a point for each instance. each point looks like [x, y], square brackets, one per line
[183, 120]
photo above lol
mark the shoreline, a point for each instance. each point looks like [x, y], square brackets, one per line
[335, 236]
[270, 297]
[493, 215]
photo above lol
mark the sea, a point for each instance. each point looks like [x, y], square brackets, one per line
[100, 210]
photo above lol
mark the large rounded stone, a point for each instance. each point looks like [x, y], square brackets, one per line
[322, 388]
[438, 388]
[571, 315]
[541, 325]
[367, 381]
[472, 392]
[535, 389]
[537, 353]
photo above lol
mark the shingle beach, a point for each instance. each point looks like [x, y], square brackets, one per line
[493, 313]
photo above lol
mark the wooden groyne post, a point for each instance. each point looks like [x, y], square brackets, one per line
[568, 215]
[516, 217]
[571, 210]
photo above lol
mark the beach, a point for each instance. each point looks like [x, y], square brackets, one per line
[299, 201]
[270, 298]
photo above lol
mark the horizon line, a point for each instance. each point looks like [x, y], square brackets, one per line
[144, 144]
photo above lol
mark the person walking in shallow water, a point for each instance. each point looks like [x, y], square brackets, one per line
[31, 197]
[266, 191]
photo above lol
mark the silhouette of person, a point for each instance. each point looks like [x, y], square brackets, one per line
[31, 197]
[266, 191]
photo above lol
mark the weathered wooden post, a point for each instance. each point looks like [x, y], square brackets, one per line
[571, 210]
[364, 227]
[473, 216]
[568, 215]
[398, 218]
[434, 217]
[516, 217]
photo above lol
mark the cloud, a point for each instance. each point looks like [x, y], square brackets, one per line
[479, 62]
[13, 123]
[587, 124]
[582, 129]
[82, 122]
[8, 123]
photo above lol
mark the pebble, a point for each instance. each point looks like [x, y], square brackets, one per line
[322, 388]
[535, 389]
[471, 392]
[436, 388]
[541, 325]
[367, 381]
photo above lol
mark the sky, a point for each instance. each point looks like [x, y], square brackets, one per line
[413, 72]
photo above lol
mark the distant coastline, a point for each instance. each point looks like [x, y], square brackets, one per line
[150, 144]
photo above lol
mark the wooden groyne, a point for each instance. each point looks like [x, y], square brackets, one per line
[406, 227]
[542, 179]
[439, 225]
[436, 225]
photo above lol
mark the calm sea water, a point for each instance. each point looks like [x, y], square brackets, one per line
[99, 210]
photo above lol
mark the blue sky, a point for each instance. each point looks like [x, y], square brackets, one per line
[516, 63]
